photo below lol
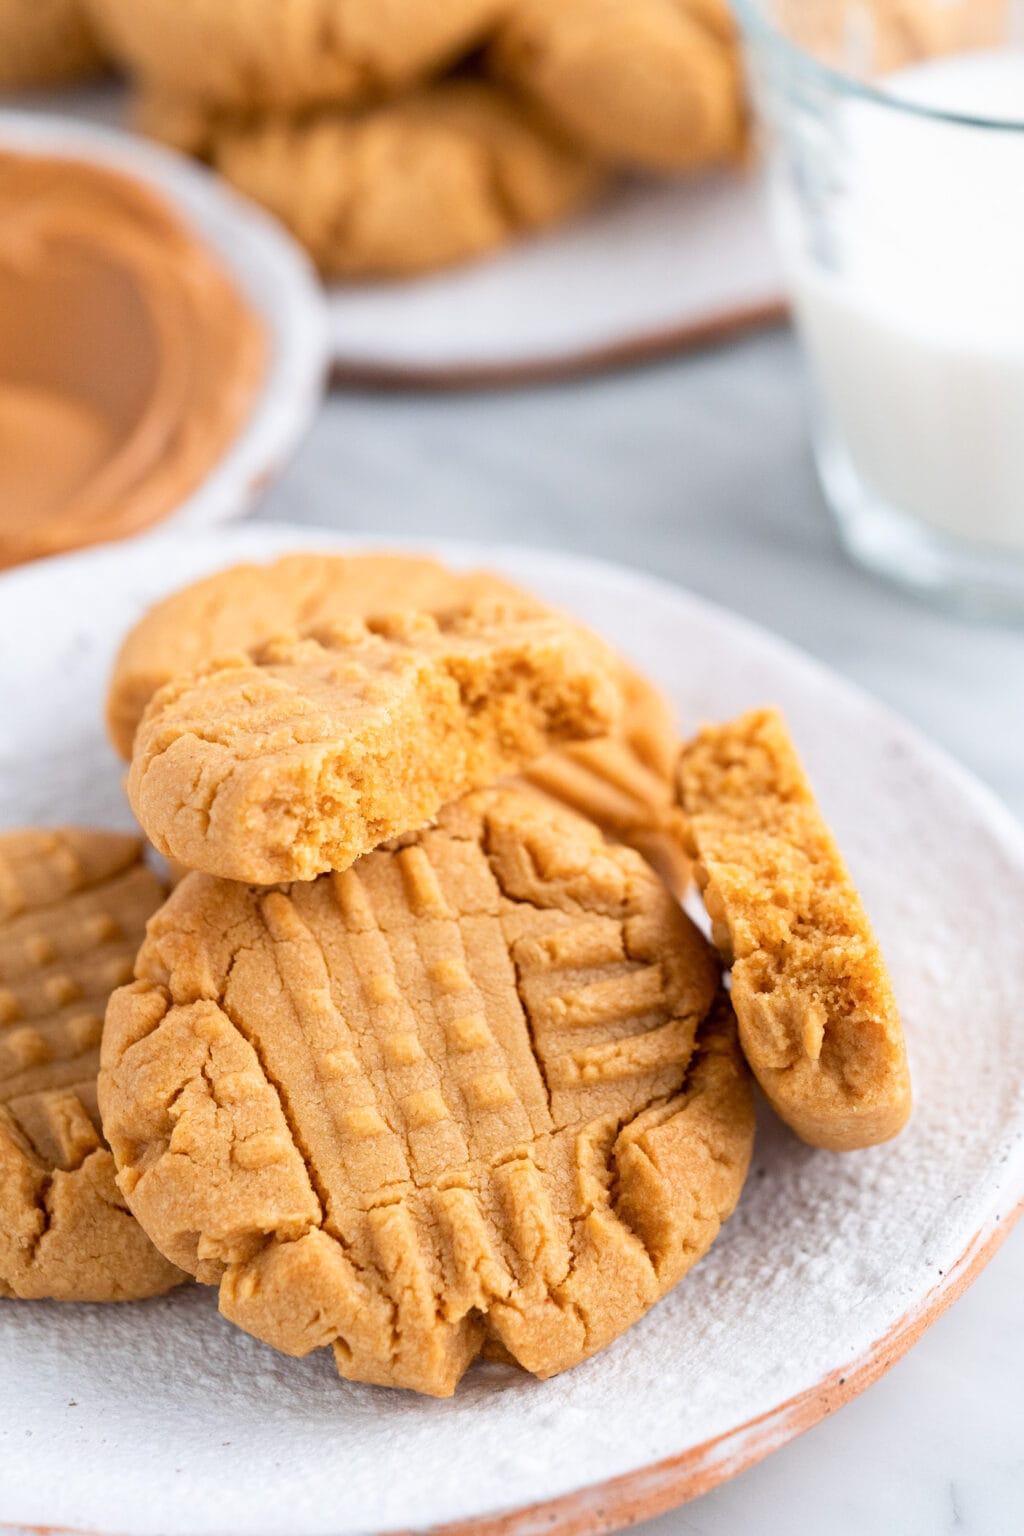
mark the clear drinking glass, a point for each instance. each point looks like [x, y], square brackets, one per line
[895, 155]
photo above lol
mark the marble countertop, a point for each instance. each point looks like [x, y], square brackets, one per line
[698, 469]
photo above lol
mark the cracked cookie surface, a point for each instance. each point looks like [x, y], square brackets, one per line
[817, 1016]
[446, 1099]
[296, 758]
[625, 783]
[73, 910]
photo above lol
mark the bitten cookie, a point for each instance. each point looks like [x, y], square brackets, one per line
[44, 42]
[246, 605]
[446, 174]
[262, 53]
[625, 783]
[299, 756]
[817, 1017]
[654, 84]
[449, 1094]
[73, 910]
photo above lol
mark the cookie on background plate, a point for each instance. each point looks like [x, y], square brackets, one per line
[449, 1096]
[652, 84]
[445, 174]
[297, 757]
[45, 42]
[626, 783]
[878, 36]
[817, 1016]
[289, 53]
[73, 911]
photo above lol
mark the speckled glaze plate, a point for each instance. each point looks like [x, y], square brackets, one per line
[160, 1417]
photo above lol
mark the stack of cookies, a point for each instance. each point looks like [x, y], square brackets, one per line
[401, 138]
[421, 1058]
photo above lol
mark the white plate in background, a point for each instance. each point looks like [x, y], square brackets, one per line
[657, 265]
[160, 1416]
[267, 265]
[654, 267]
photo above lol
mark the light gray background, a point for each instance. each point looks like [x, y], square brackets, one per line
[698, 469]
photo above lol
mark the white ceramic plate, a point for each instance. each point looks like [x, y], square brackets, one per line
[268, 267]
[160, 1416]
[656, 266]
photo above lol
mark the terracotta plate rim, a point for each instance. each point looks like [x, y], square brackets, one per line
[713, 329]
[665, 1485]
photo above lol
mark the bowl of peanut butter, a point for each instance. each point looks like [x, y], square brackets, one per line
[162, 342]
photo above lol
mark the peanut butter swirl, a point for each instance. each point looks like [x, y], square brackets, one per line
[128, 358]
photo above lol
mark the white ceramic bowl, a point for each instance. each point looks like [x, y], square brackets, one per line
[269, 268]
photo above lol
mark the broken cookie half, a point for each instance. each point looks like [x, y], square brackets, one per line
[817, 1016]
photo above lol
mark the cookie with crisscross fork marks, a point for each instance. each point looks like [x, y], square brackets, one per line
[73, 910]
[446, 1095]
[295, 758]
[625, 782]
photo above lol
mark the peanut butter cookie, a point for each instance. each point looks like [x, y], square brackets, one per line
[246, 605]
[655, 84]
[446, 1096]
[297, 757]
[446, 174]
[262, 53]
[817, 1017]
[868, 37]
[45, 42]
[625, 783]
[73, 910]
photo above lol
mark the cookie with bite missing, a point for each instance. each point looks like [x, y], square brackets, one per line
[625, 783]
[479, 1089]
[817, 1016]
[73, 911]
[301, 755]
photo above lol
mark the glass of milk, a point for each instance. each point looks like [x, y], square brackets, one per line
[895, 136]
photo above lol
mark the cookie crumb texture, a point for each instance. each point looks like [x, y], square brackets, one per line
[73, 910]
[817, 1016]
[246, 605]
[445, 1100]
[625, 783]
[297, 758]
